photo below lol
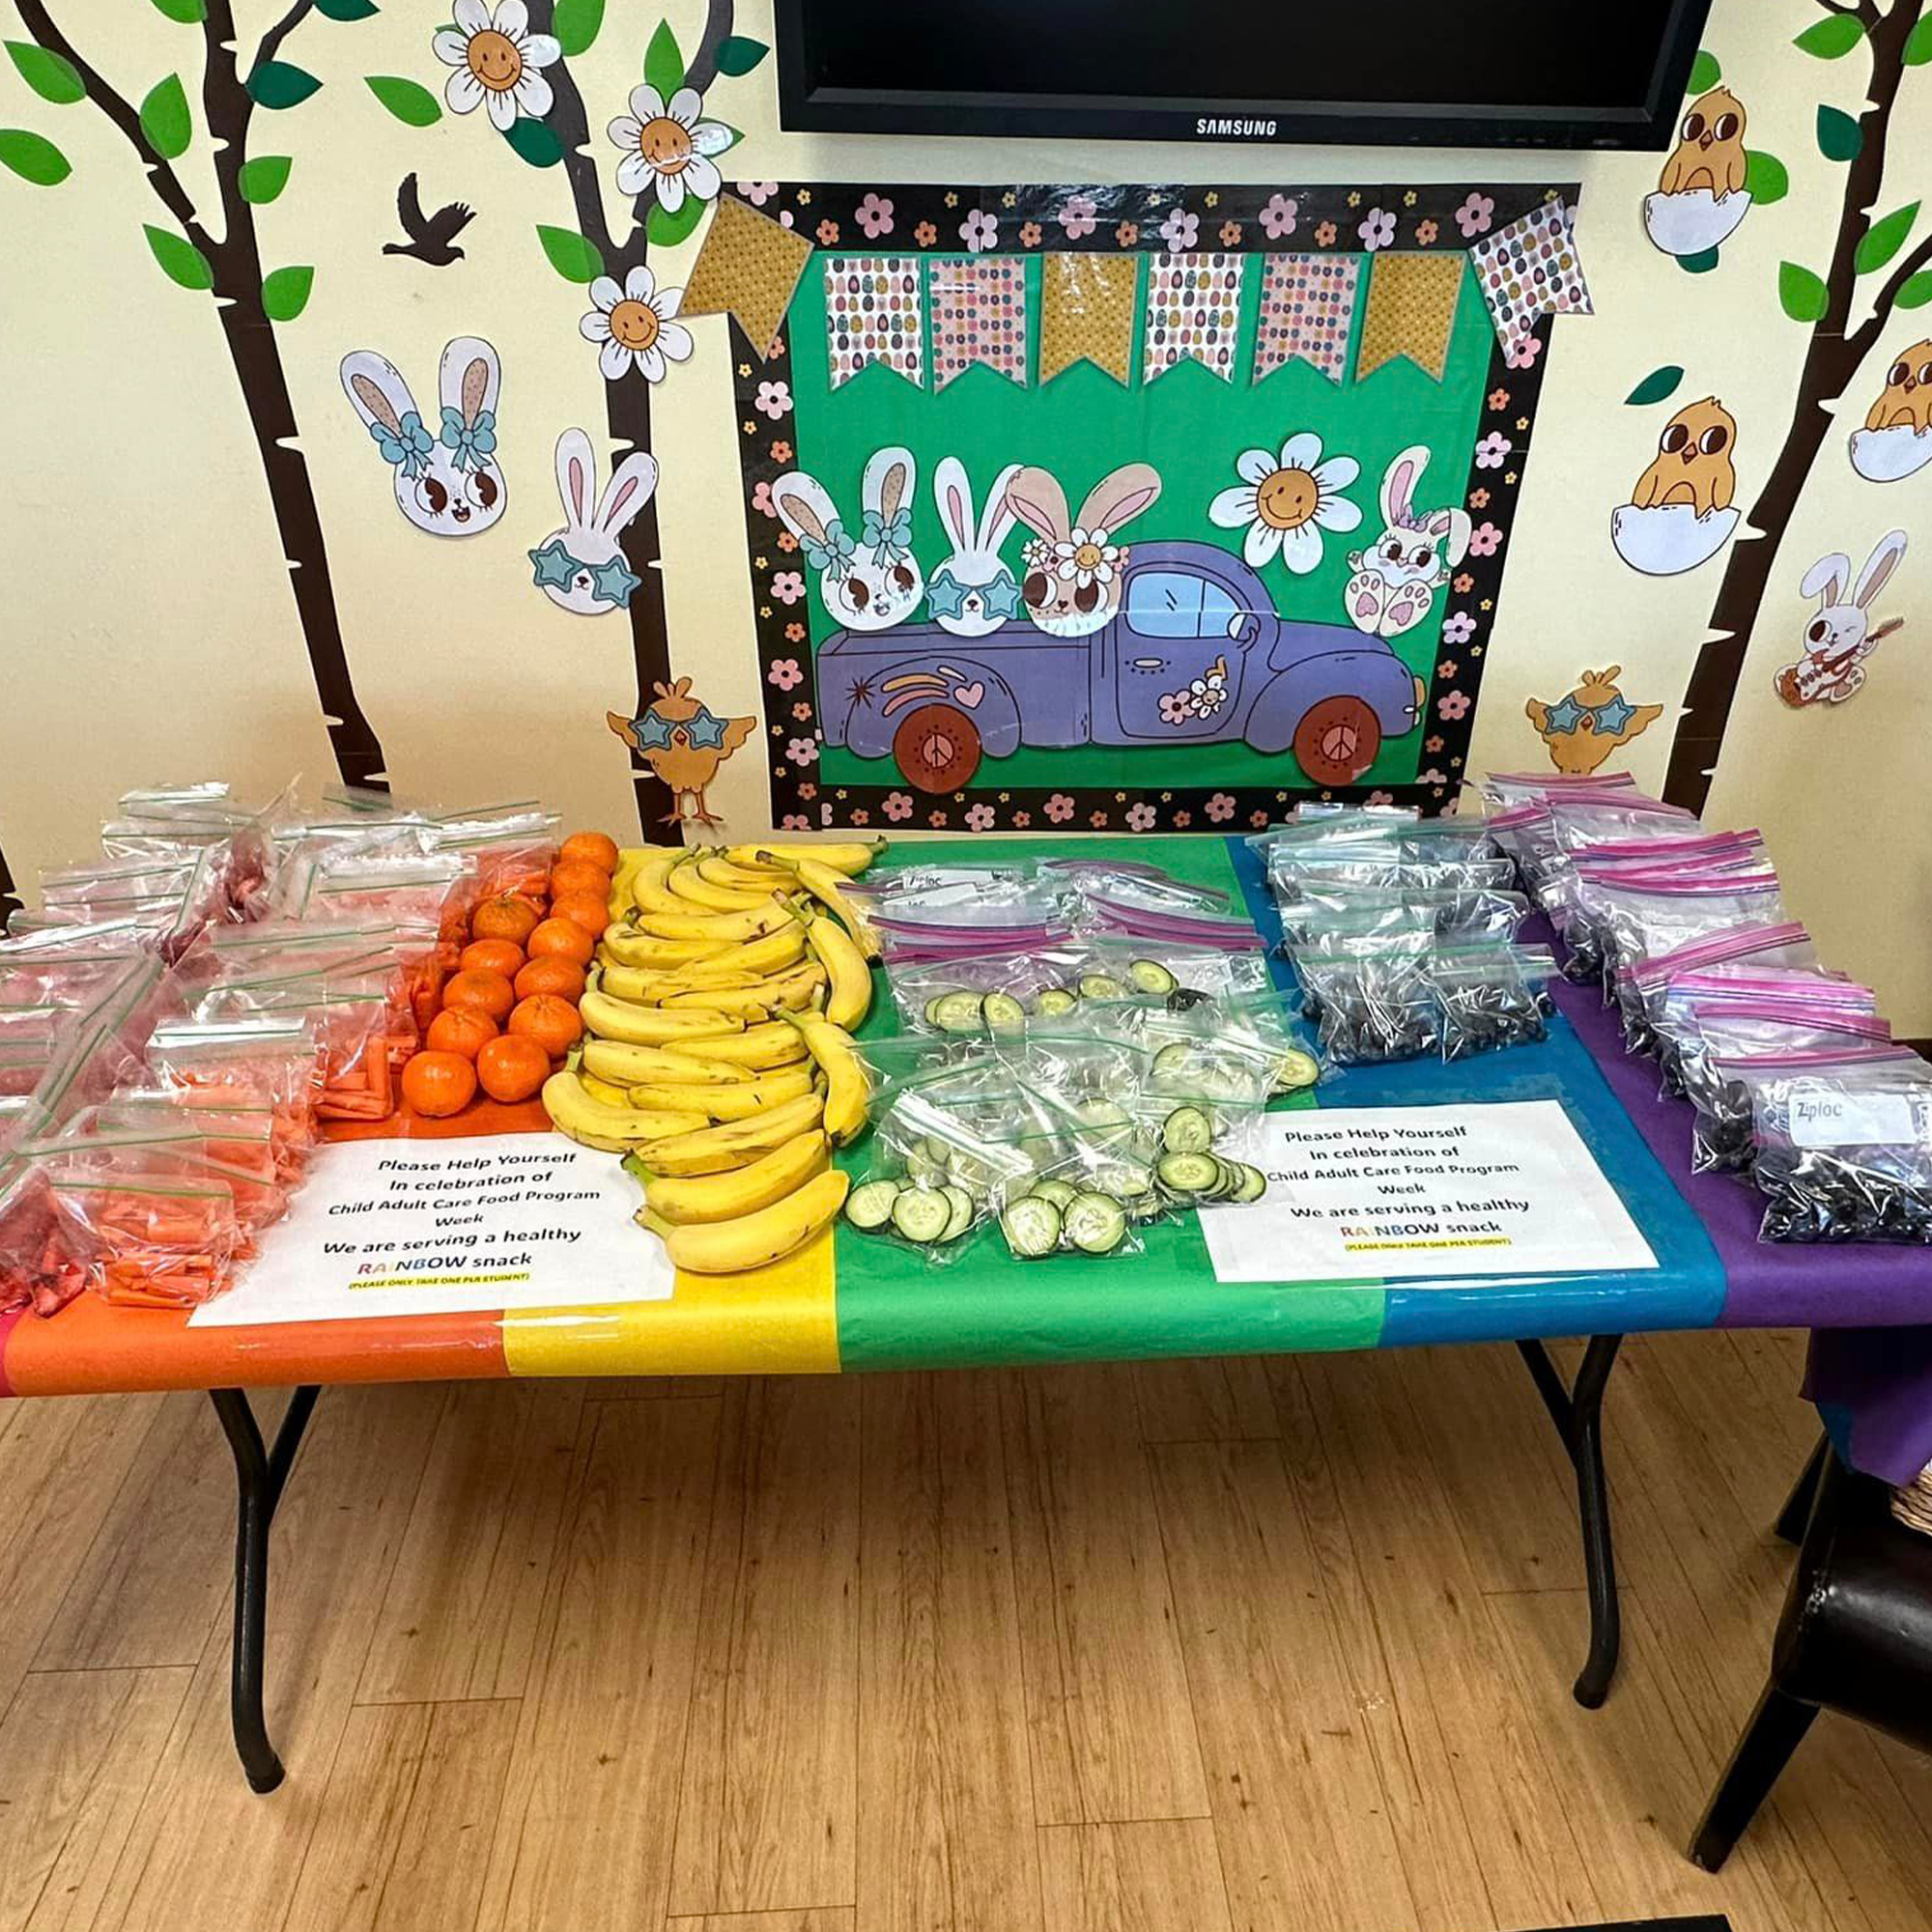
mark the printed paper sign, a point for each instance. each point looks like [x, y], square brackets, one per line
[1397, 1193]
[510, 1221]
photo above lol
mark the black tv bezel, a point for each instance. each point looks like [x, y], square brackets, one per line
[830, 110]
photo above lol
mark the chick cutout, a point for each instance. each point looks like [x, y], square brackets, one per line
[1680, 513]
[684, 742]
[1585, 728]
[1894, 443]
[1701, 198]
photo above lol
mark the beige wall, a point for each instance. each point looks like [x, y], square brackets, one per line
[148, 630]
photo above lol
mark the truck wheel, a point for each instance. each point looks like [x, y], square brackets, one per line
[937, 748]
[1337, 740]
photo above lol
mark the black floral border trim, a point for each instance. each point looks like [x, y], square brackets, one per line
[1245, 218]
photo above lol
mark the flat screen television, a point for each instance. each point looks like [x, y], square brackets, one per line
[1464, 73]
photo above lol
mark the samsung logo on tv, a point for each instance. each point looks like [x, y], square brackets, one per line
[1213, 124]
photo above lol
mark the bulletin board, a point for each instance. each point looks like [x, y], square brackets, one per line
[1306, 414]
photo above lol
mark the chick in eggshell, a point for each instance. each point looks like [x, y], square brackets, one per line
[1694, 460]
[1907, 400]
[1710, 151]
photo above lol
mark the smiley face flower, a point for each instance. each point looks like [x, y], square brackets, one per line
[498, 61]
[1285, 503]
[635, 326]
[667, 145]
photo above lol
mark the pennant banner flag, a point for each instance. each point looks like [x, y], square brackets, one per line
[1086, 312]
[874, 313]
[979, 315]
[1193, 313]
[1411, 312]
[1531, 268]
[749, 269]
[1308, 312]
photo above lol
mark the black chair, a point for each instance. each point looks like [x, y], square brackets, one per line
[1856, 1636]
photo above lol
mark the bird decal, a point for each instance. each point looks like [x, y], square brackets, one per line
[431, 238]
[684, 743]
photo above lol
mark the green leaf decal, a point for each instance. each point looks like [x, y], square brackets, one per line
[1916, 292]
[281, 84]
[51, 76]
[189, 13]
[571, 255]
[409, 101]
[346, 10]
[664, 64]
[576, 24]
[1801, 294]
[1919, 44]
[285, 292]
[1699, 263]
[165, 118]
[534, 142]
[181, 261]
[1833, 37]
[263, 178]
[739, 53]
[1705, 73]
[1886, 237]
[667, 230]
[1766, 177]
[1656, 386]
[1839, 136]
[33, 157]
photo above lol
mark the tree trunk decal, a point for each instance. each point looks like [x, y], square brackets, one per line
[1865, 243]
[249, 304]
[10, 898]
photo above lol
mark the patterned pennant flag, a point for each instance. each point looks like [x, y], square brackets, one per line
[874, 314]
[1411, 312]
[979, 315]
[749, 269]
[1086, 312]
[1308, 311]
[1193, 313]
[1531, 268]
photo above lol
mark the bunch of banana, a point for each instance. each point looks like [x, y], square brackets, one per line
[717, 1051]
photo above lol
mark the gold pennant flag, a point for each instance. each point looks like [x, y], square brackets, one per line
[1086, 311]
[1411, 312]
[749, 269]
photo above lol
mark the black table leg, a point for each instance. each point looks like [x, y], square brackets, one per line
[260, 1475]
[1578, 1415]
[1797, 1510]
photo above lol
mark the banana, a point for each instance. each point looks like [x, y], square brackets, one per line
[743, 1191]
[758, 1001]
[624, 1065]
[848, 977]
[736, 1143]
[847, 1089]
[754, 1240]
[626, 946]
[646, 890]
[851, 858]
[738, 1100]
[727, 927]
[757, 1049]
[650, 1026]
[687, 883]
[605, 1091]
[828, 886]
[574, 1112]
[739, 964]
[721, 871]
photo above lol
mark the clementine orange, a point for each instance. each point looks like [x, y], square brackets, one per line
[488, 992]
[463, 1030]
[575, 875]
[598, 848]
[583, 909]
[493, 955]
[561, 939]
[439, 1084]
[505, 917]
[556, 975]
[551, 1022]
[512, 1068]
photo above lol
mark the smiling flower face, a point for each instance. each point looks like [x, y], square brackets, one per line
[636, 325]
[666, 145]
[1085, 559]
[1287, 501]
[498, 61]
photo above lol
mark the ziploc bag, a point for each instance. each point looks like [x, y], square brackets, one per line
[351, 1029]
[149, 1230]
[511, 848]
[1491, 996]
[1641, 916]
[1367, 869]
[1736, 954]
[1370, 998]
[270, 1059]
[1717, 1084]
[1845, 1152]
[236, 1144]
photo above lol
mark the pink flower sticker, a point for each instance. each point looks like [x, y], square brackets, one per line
[1455, 705]
[1484, 540]
[1181, 230]
[1098, 820]
[786, 674]
[1279, 214]
[1141, 818]
[980, 230]
[1474, 215]
[757, 193]
[937, 820]
[980, 818]
[1021, 820]
[1457, 628]
[1491, 451]
[1059, 808]
[1077, 217]
[1182, 819]
[802, 713]
[774, 400]
[761, 500]
[875, 214]
[1523, 354]
[787, 586]
[1220, 808]
[897, 807]
[803, 750]
[827, 232]
[1381, 798]
[794, 821]
[1377, 228]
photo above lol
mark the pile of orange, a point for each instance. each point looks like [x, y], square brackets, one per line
[509, 1011]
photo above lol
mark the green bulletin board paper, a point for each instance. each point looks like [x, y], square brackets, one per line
[985, 1309]
[1191, 426]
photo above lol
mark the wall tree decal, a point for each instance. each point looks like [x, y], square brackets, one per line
[1867, 243]
[249, 303]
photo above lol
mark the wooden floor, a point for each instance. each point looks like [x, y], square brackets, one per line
[1279, 1645]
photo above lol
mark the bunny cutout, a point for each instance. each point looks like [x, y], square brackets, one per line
[1075, 572]
[1395, 580]
[580, 568]
[1839, 638]
[973, 593]
[868, 579]
[447, 479]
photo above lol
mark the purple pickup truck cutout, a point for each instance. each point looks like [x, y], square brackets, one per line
[1196, 655]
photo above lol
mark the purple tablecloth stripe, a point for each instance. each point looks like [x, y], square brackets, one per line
[1875, 1387]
